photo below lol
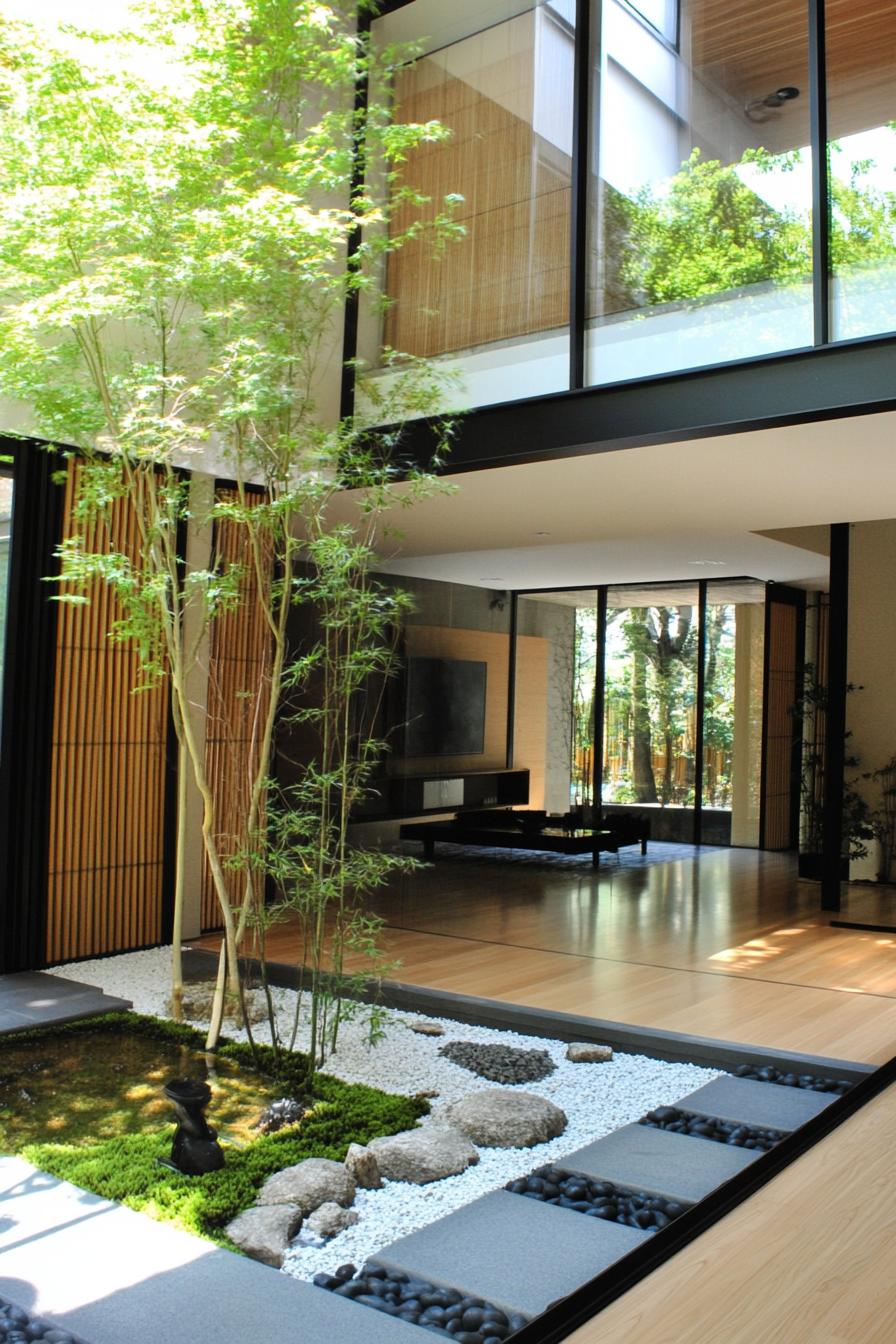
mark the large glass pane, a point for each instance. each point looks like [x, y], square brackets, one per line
[700, 194]
[650, 706]
[732, 722]
[492, 308]
[548, 735]
[861, 46]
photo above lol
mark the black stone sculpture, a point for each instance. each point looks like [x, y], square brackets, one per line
[195, 1149]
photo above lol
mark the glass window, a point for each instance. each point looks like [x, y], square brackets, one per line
[732, 717]
[650, 703]
[493, 306]
[700, 194]
[861, 41]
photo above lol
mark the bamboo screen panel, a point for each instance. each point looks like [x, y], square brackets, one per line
[781, 694]
[509, 275]
[239, 661]
[107, 786]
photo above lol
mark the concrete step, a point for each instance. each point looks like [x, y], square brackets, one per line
[37, 999]
[517, 1253]
[678, 1166]
[762, 1105]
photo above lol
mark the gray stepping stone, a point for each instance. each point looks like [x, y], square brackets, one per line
[519, 1254]
[680, 1166]
[763, 1105]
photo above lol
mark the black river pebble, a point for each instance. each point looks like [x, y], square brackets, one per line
[597, 1199]
[710, 1127]
[17, 1326]
[768, 1074]
[443, 1311]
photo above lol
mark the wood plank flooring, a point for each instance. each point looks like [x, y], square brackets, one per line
[717, 943]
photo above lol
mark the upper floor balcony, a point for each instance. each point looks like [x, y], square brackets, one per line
[695, 197]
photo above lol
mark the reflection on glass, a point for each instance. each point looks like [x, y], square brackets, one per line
[6, 504]
[718, 711]
[492, 306]
[732, 724]
[862, 170]
[700, 216]
[650, 710]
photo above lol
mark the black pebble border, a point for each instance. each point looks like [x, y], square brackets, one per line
[597, 1199]
[17, 1327]
[499, 1063]
[443, 1311]
[806, 1081]
[709, 1127]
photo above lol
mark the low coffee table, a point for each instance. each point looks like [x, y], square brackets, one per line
[553, 839]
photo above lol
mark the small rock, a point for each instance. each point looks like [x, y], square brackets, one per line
[429, 1093]
[585, 1052]
[330, 1219]
[309, 1184]
[423, 1155]
[499, 1118]
[361, 1165]
[284, 1111]
[424, 1028]
[264, 1232]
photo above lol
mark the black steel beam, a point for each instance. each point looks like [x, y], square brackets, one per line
[27, 735]
[578, 249]
[835, 720]
[821, 198]
[853, 378]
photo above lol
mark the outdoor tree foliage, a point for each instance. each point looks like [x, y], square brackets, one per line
[176, 206]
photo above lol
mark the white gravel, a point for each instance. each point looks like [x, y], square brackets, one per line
[596, 1098]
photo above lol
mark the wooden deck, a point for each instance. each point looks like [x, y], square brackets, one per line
[720, 943]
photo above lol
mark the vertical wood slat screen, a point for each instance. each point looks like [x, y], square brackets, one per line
[780, 692]
[239, 658]
[107, 788]
[509, 275]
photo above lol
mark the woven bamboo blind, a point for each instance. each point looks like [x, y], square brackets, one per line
[238, 688]
[509, 275]
[107, 786]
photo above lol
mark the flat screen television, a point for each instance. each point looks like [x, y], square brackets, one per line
[445, 707]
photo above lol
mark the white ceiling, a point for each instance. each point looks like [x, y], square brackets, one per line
[667, 511]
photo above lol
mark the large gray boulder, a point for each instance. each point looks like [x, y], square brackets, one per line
[423, 1155]
[309, 1184]
[264, 1232]
[501, 1118]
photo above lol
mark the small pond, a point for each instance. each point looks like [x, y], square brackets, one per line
[84, 1085]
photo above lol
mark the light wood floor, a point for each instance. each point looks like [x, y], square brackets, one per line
[725, 944]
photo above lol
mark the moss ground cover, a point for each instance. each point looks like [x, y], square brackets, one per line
[93, 1114]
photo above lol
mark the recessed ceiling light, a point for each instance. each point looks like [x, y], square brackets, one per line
[715, 563]
[491, 578]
